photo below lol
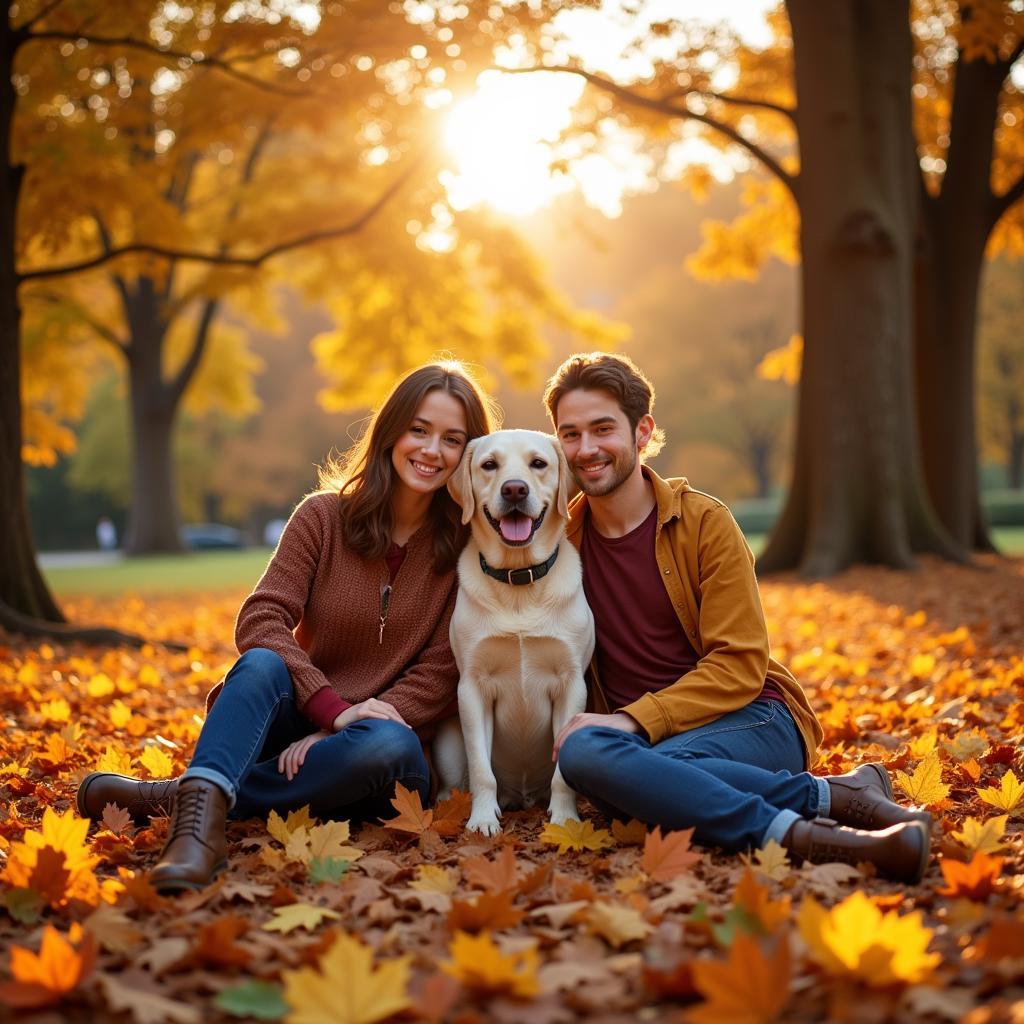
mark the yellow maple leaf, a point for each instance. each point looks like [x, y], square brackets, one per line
[321, 841]
[857, 940]
[298, 915]
[65, 835]
[348, 988]
[481, 966]
[433, 878]
[749, 988]
[616, 924]
[101, 685]
[982, 837]
[114, 760]
[922, 665]
[120, 714]
[925, 786]
[56, 710]
[923, 745]
[282, 828]
[967, 745]
[157, 763]
[771, 861]
[1007, 796]
[576, 835]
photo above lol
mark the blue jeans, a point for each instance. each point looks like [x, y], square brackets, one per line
[737, 781]
[350, 774]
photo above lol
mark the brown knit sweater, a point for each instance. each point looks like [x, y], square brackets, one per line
[318, 606]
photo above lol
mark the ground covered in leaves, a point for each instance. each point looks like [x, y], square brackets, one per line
[421, 920]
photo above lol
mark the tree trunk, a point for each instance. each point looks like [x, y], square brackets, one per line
[955, 228]
[22, 587]
[858, 492]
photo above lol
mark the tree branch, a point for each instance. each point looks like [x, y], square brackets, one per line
[202, 336]
[1000, 204]
[224, 259]
[662, 106]
[140, 44]
[105, 332]
[744, 101]
[40, 15]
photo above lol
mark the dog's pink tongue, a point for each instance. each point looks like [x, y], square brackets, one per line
[515, 527]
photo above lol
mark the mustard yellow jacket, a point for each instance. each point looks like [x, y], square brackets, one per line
[708, 571]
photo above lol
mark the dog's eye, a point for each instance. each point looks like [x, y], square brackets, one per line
[538, 464]
[489, 464]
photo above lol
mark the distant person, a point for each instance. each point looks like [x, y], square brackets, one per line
[106, 534]
[345, 660]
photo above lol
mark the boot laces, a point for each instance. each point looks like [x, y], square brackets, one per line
[189, 809]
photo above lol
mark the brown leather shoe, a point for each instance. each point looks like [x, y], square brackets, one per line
[197, 849]
[899, 852]
[142, 800]
[863, 798]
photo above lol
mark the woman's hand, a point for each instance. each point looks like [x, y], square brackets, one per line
[371, 708]
[290, 760]
[619, 720]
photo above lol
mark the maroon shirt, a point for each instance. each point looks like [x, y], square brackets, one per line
[641, 645]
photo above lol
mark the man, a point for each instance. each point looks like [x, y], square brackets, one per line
[695, 725]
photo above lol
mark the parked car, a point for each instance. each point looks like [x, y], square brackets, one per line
[203, 536]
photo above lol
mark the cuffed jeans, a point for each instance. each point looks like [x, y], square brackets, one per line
[738, 781]
[350, 774]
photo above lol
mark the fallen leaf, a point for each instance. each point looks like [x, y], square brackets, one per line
[253, 1000]
[489, 910]
[411, 816]
[630, 833]
[982, 837]
[282, 828]
[616, 924]
[451, 815]
[116, 819]
[748, 988]
[975, 880]
[46, 977]
[433, 878]
[146, 1007]
[483, 969]
[856, 940]
[560, 914]
[113, 928]
[771, 861]
[298, 915]
[1008, 796]
[668, 855]
[757, 901]
[157, 763]
[348, 987]
[576, 835]
[925, 787]
[495, 875]
[215, 943]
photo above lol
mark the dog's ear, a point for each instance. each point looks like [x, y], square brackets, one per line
[460, 485]
[566, 483]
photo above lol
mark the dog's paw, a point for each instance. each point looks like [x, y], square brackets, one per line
[485, 821]
[561, 813]
[444, 794]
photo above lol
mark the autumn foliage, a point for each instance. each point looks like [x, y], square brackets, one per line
[417, 919]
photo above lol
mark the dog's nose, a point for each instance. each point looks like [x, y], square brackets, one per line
[515, 490]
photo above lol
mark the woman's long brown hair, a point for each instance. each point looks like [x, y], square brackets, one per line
[364, 476]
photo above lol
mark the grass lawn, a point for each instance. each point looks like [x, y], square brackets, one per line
[209, 571]
[204, 571]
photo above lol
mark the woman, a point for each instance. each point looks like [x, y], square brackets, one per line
[345, 662]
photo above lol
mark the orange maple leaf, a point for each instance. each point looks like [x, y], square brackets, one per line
[481, 966]
[748, 988]
[46, 977]
[411, 816]
[668, 855]
[216, 946]
[451, 815]
[974, 880]
[490, 910]
[494, 875]
[756, 900]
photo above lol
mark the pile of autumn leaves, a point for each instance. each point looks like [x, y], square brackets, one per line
[420, 919]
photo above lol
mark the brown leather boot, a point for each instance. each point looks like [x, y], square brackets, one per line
[899, 852]
[142, 800]
[197, 849]
[863, 798]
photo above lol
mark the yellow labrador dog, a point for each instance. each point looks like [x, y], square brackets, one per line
[521, 632]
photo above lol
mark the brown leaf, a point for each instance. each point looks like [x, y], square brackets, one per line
[113, 929]
[489, 910]
[125, 992]
[411, 816]
[215, 944]
[666, 856]
[451, 815]
[117, 820]
[493, 875]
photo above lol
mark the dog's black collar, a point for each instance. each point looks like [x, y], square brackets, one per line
[521, 577]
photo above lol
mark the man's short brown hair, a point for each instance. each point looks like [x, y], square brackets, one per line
[616, 374]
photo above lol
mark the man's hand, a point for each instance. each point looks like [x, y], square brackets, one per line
[619, 720]
[371, 708]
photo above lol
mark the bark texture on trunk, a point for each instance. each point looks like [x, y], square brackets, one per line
[955, 228]
[23, 591]
[858, 492]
